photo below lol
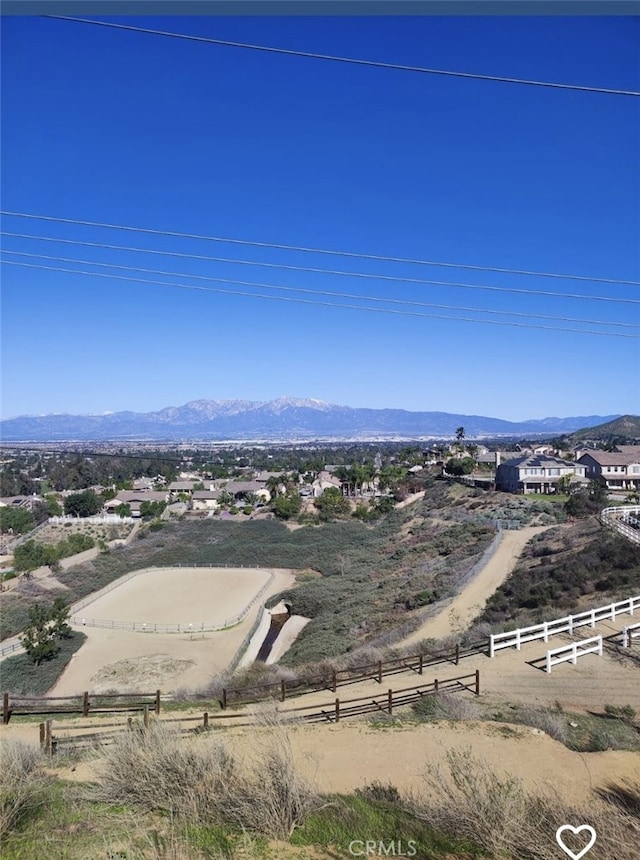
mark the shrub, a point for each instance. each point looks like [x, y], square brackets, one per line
[21, 783]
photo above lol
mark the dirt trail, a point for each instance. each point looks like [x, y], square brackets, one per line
[460, 612]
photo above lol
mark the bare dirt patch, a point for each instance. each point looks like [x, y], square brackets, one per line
[142, 672]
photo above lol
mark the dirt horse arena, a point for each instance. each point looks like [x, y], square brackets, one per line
[124, 660]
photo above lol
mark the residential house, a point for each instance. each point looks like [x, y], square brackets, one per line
[205, 500]
[620, 469]
[240, 489]
[135, 498]
[324, 481]
[537, 473]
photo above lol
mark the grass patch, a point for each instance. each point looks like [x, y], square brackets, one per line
[369, 817]
[21, 676]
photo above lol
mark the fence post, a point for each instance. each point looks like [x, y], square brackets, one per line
[420, 664]
[390, 698]
[41, 736]
[85, 704]
[477, 682]
[545, 627]
[337, 710]
[457, 653]
[206, 720]
[379, 671]
[491, 648]
[574, 653]
[435, 685]
[282, 690]
[145, 716]
[5, 708]
[157, 703]
[129, 723]
[334, 681]
[518, 642]
[47, 738]
[223, 703]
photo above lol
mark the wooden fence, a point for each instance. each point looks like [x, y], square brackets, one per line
[332, 712]
[83, 705]
[335, 678]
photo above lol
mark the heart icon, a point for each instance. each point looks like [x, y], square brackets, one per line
[576, 830]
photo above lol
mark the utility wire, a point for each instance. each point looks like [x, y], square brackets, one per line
[315, 292]
[352, 254]
[314, 303]
[289, 267]
[349, 60]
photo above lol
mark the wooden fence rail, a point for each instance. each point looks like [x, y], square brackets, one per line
[332, 711]
[84, 705]
[340, 677]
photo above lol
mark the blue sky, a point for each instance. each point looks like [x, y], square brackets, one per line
[125, 128]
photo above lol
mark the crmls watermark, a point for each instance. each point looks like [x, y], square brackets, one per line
[380, 848]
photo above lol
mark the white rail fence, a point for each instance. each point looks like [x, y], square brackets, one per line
[625, 519]
[570, 653]
[105, 520]
[153, 627]
[630, 632]
[517, 638]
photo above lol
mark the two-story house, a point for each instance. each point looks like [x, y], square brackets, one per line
[537, 473]
[620, 469]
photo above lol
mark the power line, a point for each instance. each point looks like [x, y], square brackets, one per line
[302, 249]
[348, 60]
[315, 303]
[289, 267]
[315, 292]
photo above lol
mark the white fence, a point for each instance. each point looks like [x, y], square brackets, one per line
[623, 519]
[498, 641]
[631, 632]
[153, 627]
[570, 653]
[105, 519]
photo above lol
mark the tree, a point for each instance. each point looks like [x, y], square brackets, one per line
[332, 504]
[149, 510]
[124, 510]
[59, 616]
[84, 504]
[464, 466]
[54, 508]
[38, 640]
[460, 434]
[16, 520]
[285, 507]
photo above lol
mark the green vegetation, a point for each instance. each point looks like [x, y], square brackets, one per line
[47, 626]
[31, 554]
[565, 570]
[22, 677]
[16, 520]
[84, 504]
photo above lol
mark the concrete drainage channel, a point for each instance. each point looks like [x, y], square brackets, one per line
[273, 636]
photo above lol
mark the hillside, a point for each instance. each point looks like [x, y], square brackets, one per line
[626, 428]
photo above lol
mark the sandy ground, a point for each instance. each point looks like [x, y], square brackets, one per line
[124, 661]
[180, 595]
[461, 611]
[350, 755]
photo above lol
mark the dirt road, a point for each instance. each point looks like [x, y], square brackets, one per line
[460, 612]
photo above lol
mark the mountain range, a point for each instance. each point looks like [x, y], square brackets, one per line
[283, 419]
